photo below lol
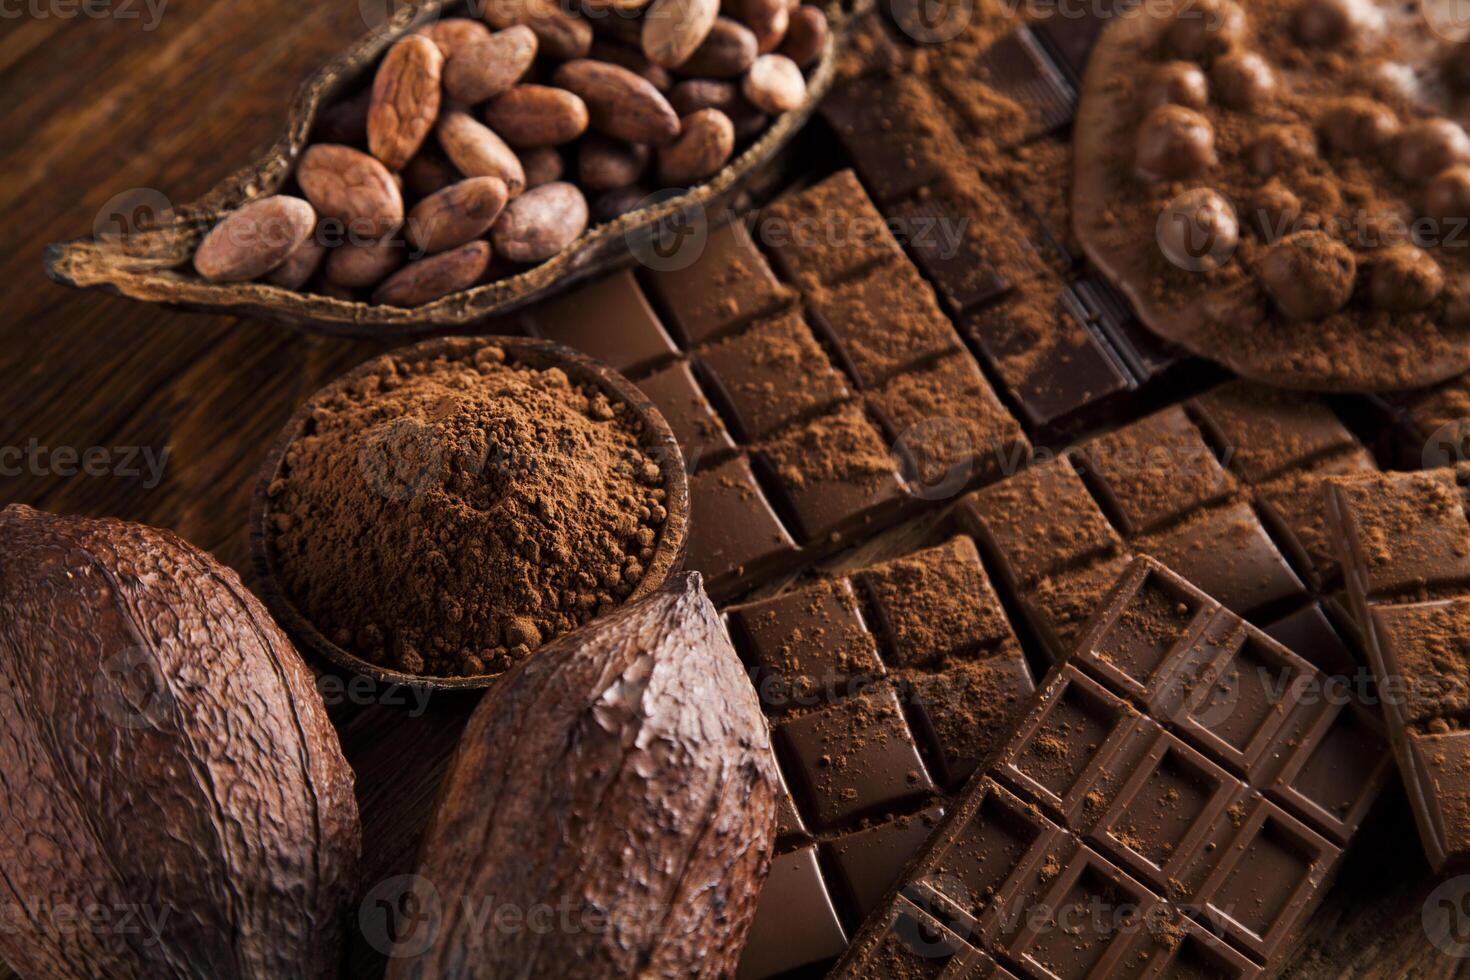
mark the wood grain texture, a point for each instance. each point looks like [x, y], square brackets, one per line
[94, 107]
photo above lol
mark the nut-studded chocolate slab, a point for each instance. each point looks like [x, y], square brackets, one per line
[1176, 797]
[1225, 488]
[886, 689]
[1283, 186]
[1405, 540]
[816, 386]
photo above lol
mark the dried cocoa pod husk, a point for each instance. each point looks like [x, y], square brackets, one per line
[625, 769]
[164, 755]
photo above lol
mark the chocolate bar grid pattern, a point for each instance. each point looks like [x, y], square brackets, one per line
[1065, 346]
[1180, 764]
[882, 705]
[1226, 488]
[1412, 595]
[785, 400]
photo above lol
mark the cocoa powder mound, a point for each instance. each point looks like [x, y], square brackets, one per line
[449, 516]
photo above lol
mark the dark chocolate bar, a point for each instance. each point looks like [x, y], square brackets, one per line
[1067, 351]
[810, 410]
[885, 689]
[1405, 543]
[1176, 797]
[1225, 488]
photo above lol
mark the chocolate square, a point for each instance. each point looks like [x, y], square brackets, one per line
[733, 532]
[772, 374]
[1228, 554]
[883, 321]
[795, 923]
[855, 757]
[868, 861]
[934, 605]
[1262, 431]
[1155, 470]
[807, 644]
[726, 287]
[888, 126]
[700, 431]
[1410, 531]
[609, 320]
[963, 712]
[836, 474]
[827, 232]
[950, 427]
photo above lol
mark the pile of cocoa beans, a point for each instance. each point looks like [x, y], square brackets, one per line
[478, 147]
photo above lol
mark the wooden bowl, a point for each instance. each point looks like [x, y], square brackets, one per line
[657, 440]
[154, 264]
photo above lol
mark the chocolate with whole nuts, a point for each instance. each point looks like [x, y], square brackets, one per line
[409, 171]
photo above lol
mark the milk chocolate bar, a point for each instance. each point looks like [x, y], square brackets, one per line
[1224, 487]
[1405, 540]
[885, 690]
[813, 406]
[1176, 797]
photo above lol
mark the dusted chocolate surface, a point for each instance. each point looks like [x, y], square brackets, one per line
[1405, 541]
[1156, 770]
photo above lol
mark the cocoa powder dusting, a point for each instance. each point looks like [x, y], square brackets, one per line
[449, 516]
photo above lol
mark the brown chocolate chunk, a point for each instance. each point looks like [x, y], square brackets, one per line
[1308, 275]
[1173, 143]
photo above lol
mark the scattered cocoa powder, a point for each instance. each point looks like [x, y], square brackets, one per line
[447, 516]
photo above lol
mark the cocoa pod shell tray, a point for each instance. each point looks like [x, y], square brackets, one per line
[153, 264]
[657, 440]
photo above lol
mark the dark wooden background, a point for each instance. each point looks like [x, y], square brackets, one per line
[94, 106]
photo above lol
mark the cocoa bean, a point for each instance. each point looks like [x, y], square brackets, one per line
[476, 151]
[543, 166]
[532, 116]
[300, 265]
[693, 94]
[405, 103]
[806, 38]
[161, 742]
[641, 727]
[435, 277]
[362, 265]
[621, 104]
[457, 214]
[540, 223]
[674, 29]
[624, 56]
[453, 33]
[774, 84]
[254, 239]
[728, 52]
[352, 187]
[429, 172]
[700, 151]
[606, 164]
[767, 19]
[618, 202]
[561, 34]
[485, 68]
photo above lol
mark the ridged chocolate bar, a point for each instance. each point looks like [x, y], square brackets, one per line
[885, 688]
[813, 407]
[1225, 488]
[1405, 544]
[1176, 798]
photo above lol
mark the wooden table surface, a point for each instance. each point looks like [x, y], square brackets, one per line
[94, 106]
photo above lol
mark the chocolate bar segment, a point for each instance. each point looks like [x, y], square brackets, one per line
[1405, 540]
[1161, 806]
[1225, 488]
[886, 689]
